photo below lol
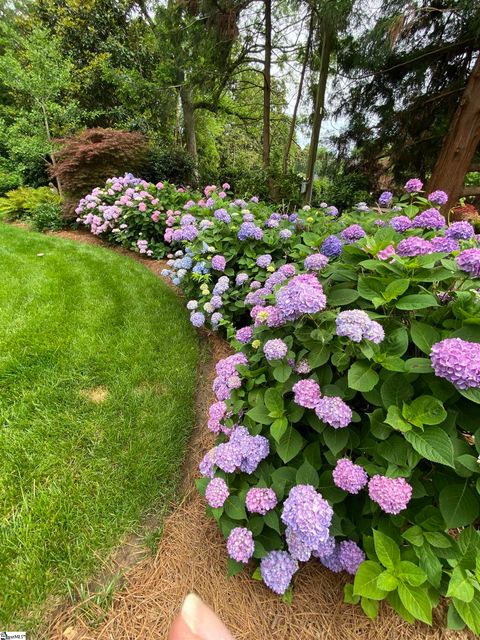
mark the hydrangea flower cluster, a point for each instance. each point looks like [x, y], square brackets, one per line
[438, 197]
[460, 231]
[352, 233]
[391, 494]
[357, 326]
[307, 516]
[401, 223]
[302, 294]
[227, 375]
[240, 545]
[242, 452]
[260, 500]
[315, 262]
[217, 492]
[264, 261]
[349, 476]
[457, 361]
[306, 393]
[414, 246]
[277, 569]
[331, 247]
[469, 261]
[334, 411]
[429, 219]
[414, 185]
[385, 198]
[444, 244]
[275, 349]
[244, 335]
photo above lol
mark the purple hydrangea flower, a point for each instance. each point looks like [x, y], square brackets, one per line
[241, 278]
[414, 246]
[324, 549]
[332, 247]
[275, 349]
[277, 569]
[469, 261]
[240, 545]
[189, 233]
[206, 465]
[460, 231]
[380, 223]
[352, 233]
[331, 211]
[332, 560]
[458, 361]
[244, 335]
[260, 500]
[356, 325]
[414, 185]
[350, 556]
[297, 547]
[387, 253]
[307, 514]
[285, 234]
[303, 367]
[444, 244]
[334, 411]
[216, 302]
[217, 493]
[264, 261]
[315, 262]
[301, 295]
[243, 451]
[197, 319]
[227, 376]
[187, 220]
[438, 197]
[306, 393]
[385, 198]
[223, 215]
[219, 263]
[348, 476]
[391, 494]
[429, 219]
[400, 223]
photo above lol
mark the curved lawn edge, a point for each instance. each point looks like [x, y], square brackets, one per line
[94, 352]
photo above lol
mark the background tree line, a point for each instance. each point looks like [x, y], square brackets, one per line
[240, 90]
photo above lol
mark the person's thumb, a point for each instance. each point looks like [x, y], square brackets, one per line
[197, 621]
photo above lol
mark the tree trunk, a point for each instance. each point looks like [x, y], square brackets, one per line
[189, 124]
[460, 143]
[52, 153]
[319, 111]
[293, 122]
[267, 84]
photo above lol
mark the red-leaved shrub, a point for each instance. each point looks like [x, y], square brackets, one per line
[90, 157]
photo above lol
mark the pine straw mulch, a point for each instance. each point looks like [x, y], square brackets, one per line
[191, 557]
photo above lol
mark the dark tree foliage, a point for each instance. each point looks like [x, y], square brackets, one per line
[405, 78]
[89, 158]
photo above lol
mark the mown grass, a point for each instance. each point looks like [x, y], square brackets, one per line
[97, 374]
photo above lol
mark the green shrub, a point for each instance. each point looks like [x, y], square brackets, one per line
[20, 203]
[9, 180]
[175, 166]
[47, 217]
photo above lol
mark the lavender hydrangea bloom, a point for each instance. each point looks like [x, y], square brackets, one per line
[350, 556]
[332, 211]
[385, 198]
[217, 493]
[325, 549]
[391, 494]
[197, 319]
[216, 319]
[349, 476]
[264, 261]
[277, 569]
[223, 215]
[460, 231]
[306, 393]
[315, 262]
[227, 376]
[438, 197]
[411, 247]
[244, 335]
[334, 411]
[444, 244]
[243, 451]
[307, 514]
[275, 349]
[469, 261]
[219, 263]
[356, 325]
[352, 233]
[285, 234]
[414, 185]
[332, 247]
[332, 561]
[192, 305]
[400, 223]
[301, 295]
[303, 367]
[458, 361]
[429, 219]
[240, 545]
[241, 278]
[297, 547]
[206, 465]
[260, 500]
[189, 233]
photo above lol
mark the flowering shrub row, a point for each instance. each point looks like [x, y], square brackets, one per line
[346, 419]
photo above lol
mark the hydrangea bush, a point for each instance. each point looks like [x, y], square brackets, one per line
[132, 212]
[362, 379]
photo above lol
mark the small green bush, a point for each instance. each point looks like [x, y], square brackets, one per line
[9, 180]
[47, 217]
[20, 203]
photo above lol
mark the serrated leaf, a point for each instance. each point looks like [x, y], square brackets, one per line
[414, 535]
[235, 508]
[387, 581]
[458, 505]
[282, 372]
[274, 402]
[387, 550]
[365, 583]
[290, 444]
[469, 612]
[370, 607]
[416, 601]
[460, 586]
[433, 444]
[361, 376]
[417, 301]
[424, 336]
[234, 567]
[396, 288]
[278, 428]
[336, 439]
[307, 474]
[348, 596]
[409, 572]
[424, 410]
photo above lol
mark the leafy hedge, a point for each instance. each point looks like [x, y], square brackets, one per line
[347, 417]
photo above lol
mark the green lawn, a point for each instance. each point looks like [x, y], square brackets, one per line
[97, 375]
